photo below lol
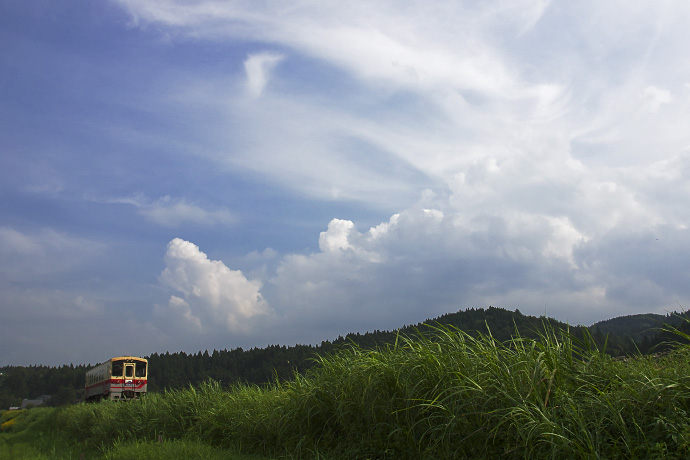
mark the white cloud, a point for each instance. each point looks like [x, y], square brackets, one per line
[258, 68]
[213, 296]
[178, 307]
[375, 41]
[173, 212]
[424, 262]
[88, 306]
[31, 254]
[655, 97]
[546, 129]
[263, 256]
[462, 100]
[553, 135]
[336, 237]
[14, 241]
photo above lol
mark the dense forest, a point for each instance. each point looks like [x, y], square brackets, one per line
[621, 336]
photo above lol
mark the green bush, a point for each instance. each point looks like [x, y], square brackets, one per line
[445, 395]
[183, 449]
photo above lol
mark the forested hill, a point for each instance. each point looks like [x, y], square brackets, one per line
[260, 365]
[637, 326]
[623, 335]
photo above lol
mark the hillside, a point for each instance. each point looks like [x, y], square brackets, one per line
[444, 395]
[636, 326]
[623, 335]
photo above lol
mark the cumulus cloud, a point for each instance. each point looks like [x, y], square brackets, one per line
[424, 262]
[179, 307]
[420, 262]
[213, 297]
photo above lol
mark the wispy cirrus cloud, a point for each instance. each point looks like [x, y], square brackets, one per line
[539, 130]
[31, 254]
[404, 159]
[432, 97]
[172, 212]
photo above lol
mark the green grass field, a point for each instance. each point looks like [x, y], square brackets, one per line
[36, 435]
[446, 396]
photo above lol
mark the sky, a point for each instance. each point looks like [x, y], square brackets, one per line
[198, 175]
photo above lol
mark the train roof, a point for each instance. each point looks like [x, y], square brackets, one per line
[133, 358]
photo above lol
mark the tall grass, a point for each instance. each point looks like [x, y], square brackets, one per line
[441, 395]
[30, 436]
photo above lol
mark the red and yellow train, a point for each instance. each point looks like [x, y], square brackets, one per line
[120, 378]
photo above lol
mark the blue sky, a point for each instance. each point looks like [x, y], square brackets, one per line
[213, 174]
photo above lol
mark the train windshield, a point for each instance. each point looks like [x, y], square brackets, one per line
[140, 370]
[117, 369]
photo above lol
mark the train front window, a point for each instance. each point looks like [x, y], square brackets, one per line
[140, 370]
[129, 370]
[117, 369]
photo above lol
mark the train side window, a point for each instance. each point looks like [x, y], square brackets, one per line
[140, 370]
[117, 369]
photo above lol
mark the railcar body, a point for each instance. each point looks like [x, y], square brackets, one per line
[123, 377]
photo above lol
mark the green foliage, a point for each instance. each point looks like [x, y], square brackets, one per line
[65, 383]
[183, 449]
[426, 392]
[32, 437]
[457, 396]
[623, 336]
[8, 421]
[38, 435]
[441, 394]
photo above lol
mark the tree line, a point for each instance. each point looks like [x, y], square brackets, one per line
[618, 337]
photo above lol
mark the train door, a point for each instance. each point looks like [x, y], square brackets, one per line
[129, 385]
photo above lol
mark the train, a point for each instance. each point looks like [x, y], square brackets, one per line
[119, 378]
